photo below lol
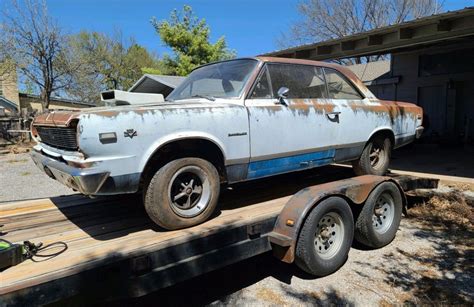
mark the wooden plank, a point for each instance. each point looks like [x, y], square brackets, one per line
[89, 252]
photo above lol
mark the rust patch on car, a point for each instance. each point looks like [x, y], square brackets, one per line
[56, 119]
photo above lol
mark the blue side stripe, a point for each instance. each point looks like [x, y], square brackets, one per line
[287, 164]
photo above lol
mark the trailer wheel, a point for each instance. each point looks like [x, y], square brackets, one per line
[325, 238]
[380, 217]
[182, 193]
[375, 157]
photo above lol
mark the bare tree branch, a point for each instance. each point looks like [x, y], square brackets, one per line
[35, 43]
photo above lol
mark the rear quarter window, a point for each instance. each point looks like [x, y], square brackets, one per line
[339, 87]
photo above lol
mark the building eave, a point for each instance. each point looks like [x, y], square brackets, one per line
[427, 30]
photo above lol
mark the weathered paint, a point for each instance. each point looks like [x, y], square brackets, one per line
[304, 133]
[271, 167]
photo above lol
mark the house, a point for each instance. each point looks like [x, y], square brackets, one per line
[432, 65]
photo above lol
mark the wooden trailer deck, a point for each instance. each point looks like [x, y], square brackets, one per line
[114, 249]
[109, 230]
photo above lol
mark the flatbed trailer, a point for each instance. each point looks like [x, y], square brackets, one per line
[115, 251]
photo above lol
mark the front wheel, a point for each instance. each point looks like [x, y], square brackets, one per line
[325, 238]
[375, 157]
[182, 193]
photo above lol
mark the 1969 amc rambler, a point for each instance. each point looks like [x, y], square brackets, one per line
[227, 122]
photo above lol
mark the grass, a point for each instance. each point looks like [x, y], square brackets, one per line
[451, 210]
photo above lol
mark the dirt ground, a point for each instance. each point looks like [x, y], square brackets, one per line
[431, 261]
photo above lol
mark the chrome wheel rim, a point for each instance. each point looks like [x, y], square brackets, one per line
[329, 235]
[384, 213]
[189, 191]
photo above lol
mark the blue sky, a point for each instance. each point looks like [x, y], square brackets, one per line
[250, 26]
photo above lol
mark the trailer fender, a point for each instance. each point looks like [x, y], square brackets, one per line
[287, 227]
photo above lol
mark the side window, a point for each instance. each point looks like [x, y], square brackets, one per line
[339, 87]
[303, 81]
[262, 87]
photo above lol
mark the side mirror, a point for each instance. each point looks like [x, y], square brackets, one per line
[282, 95]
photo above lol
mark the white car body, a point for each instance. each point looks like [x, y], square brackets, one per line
[252, 137]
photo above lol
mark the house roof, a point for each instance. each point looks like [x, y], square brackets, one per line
[426, 31]
[7, 104]
[371, 70]
[149, 83]
[60, 99]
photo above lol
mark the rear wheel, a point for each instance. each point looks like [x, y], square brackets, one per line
[378, 222]
[325, 238]
[182, 193]
[375, 157]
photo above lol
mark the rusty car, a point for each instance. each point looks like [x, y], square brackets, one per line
[228, 122]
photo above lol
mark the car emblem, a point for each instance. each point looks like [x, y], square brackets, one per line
[130, 133]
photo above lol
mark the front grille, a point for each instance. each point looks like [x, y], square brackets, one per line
[63, 138]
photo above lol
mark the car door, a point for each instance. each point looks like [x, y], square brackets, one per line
[294, 133]
[355, 122]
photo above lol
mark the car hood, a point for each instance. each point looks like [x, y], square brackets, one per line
[64, 118]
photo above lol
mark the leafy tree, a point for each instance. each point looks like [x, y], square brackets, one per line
[36, 45]
[188, 37]
[108, 62]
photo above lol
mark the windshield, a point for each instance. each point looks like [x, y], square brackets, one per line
[220, 80]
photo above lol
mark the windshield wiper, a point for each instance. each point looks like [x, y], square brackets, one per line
[204, 96]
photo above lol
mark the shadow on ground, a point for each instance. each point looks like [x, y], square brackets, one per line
[442, 274]
[435, 159]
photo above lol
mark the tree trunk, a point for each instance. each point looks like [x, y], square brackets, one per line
[45, 99]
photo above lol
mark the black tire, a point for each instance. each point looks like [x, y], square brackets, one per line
[308, 258]
[369, 165]
[370, 229]
[172, 208]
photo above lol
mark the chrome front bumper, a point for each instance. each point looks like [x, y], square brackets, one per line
[88, 181]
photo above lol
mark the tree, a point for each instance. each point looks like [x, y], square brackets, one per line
[35, 43]
[330, 19]
[108, 62]
[188, 37]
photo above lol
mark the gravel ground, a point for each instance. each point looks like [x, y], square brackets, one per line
[21, 179]
[423, 265]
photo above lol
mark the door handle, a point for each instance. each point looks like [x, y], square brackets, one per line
[330, 115]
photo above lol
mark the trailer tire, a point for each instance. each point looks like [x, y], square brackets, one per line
[325, 238]
[377, 223]
[375, 157]
[183, 193]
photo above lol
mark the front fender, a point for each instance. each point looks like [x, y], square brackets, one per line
[177, 136]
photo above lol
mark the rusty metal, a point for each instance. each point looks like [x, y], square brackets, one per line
[284, 237]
